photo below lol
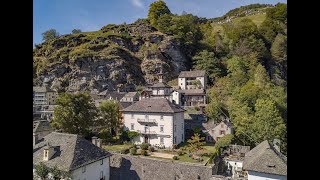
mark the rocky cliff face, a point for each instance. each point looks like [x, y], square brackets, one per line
[117, 56]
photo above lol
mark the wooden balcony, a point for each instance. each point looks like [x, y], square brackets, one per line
[152, 121]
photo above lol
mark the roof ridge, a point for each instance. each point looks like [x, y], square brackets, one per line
[73, 154]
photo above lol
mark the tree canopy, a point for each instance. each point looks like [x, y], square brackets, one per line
[50, 34]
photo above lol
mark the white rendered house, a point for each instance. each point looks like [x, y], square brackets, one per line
[158, 121]
[73, 154]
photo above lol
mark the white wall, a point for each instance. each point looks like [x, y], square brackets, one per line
[217, 129]
[93, 171]
[182, 83]
[167, 124]
[252, 175]
[176, 96]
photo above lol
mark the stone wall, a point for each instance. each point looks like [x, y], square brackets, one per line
[143, 168]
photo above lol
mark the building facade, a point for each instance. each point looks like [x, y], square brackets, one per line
[158, 122]
[214, 131]
[43, 96]
[72, 153]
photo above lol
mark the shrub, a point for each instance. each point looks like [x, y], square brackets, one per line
[144, 146]
[124, 151]
[180, 153]
[133, 151]
[133, 146]
[144, 152]
[174, 146]
[175, 158]
[151, 149]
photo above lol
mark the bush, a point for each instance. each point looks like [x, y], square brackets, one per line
[175, 158]
[133, 146]
[144, 146]
[133, 151]
[151, 149]
[174, 146]
[124, 151]
[144, 152]
[180, 153]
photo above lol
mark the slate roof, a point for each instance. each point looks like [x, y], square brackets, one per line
[160, 85]
[195, 73]
[192, 91]
[41, 125]
[210, 125]
[72, 151]
[266, 159]
[161, 105]
[115, 95]
[130, 94]
[124, 105]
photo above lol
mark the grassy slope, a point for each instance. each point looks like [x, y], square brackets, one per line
[257, 18]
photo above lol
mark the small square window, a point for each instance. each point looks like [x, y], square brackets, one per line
[161, 117]
[101, 162]
[161, 140]
[161, 128]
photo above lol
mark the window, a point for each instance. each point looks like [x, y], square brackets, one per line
[101, 175]
[161, 117]
[175, 128]
[146, 117]
[222, 133]
[161, 140]
[83, 169]
[161, 128]
[101, 162]
[132, 126]
[132, 116]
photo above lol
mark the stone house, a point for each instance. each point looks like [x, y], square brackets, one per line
[158, 121]
[214, 131]
[73, 154]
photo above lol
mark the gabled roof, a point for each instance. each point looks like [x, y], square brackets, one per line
[115, 95]
[41, 89]
[72, 151]
[210, 125]
[130, 94]
[41, 125]
[160, 105]
[195, 73]
[160, 85]
[266, 159]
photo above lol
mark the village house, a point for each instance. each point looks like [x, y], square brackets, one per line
[158, 122]
[265, 162]
[130, 97]
[192, 86]
[72, 153]
[214, 131]
[41, 128]
[43, 96]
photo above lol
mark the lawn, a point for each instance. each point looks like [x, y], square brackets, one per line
[257, 18]
[116, 148]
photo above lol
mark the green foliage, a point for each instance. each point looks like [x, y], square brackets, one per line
[156, 10]
[151, 148]
[133, 151]
[212, 65]
[42, 170]
[278, 13]
[105, 135]
[74, 113]
[50, 34]
[144, 152]
[144, 146]
[180, 153]
[132, 134]
[175, 158]
[124, 151]
[241, 30]
[279, 48]
[195, 143]
[109, 116]
[224, 141]
[76, 31]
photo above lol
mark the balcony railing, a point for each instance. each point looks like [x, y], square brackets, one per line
[146, 132]
[147, 121]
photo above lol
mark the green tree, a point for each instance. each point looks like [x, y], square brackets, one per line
[132, 134]
[74, 113]
[42, 170]
[165, 23]
[224, 141]
[50, 34]
[241, 30]
[76, 31]
[212, 65]
[195, 143]
[279, 48]
[109, 116]
[156, 10]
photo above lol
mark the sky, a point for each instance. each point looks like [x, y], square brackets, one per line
[92, 15]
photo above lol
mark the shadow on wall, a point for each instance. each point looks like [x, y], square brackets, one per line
[123, 172]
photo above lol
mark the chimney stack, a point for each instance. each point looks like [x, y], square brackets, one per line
[94, 140]
[276, 144]
[35, 139]
[99, 142]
